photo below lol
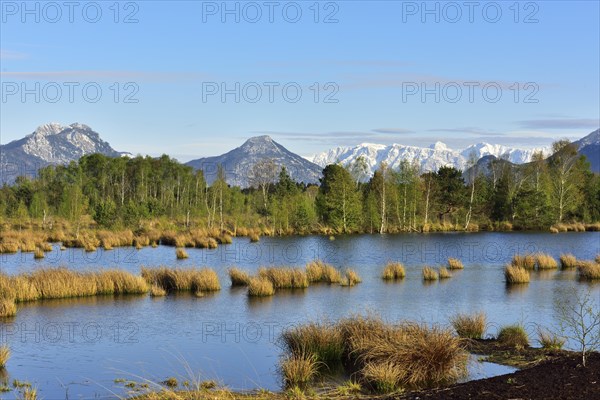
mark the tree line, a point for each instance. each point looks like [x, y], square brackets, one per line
[126, 192]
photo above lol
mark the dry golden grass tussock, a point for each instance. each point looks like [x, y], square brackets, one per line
[4, 355]
[7, 308]
[568, 261]
[393, 270]
[444, 273]
[588, 270]
[455, 263]
[430, 274]
[350, 278]
[176, 279]
[238, 277]
[526, 261]
[545, 261]
[515, 274]
[470, 326]
[260, 287]
[284, 277]
[181, 254]
[319, 271]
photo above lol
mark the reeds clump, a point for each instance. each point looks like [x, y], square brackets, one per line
[4, 355]
[157, 291]
[298, 370]
[545, 261]
[455, 263]
[254, 237]
[513, 336]
[527, 261]
[393, 271]
[515, 274]
[382, 377]
[550, 341]
[430, 274]
[38, 254]
[322, 340]
[469, 326]
[56, 283]
[181, 254]
[285, 278]
[238, 277]
[568, 261]
[8, 308]
[318, 271]
[350, 278]
[176, 279]
[260, 287]
[588, 270]
[444, 273]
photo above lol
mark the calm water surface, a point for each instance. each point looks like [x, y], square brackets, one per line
[78, 347]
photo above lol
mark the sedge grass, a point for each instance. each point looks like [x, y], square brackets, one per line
[260, 287]
[455, 263]
[350, 278]
[526, 261]
[7, 308]
[4, 355]
[444, 273]
[177, 279]
[513, 336]
[469, 326]
[545, 261]
[588, 270]
[568, 261]
[393, 271]
[430, 274]
[515, 274]
[238, 277]
[298, 370]
[318, 271]
[284, 277]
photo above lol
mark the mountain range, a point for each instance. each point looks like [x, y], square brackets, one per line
[428, 158]
[57, 144]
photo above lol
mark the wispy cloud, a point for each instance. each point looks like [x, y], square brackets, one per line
[101, 75]
[469, 129]
[11, 55]
[399, 131]
[564, 123]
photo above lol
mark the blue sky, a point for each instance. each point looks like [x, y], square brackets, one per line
[379, 66]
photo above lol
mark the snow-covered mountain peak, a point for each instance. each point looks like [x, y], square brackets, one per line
[439, 146]
[52, 128]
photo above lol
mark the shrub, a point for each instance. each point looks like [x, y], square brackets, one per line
[430, 274]
[568, 261]
[469, 326]
[455, 263]
[393, 270]
[260, 286]
[4, 355]
[238, 277]
[444, 273]
[298, 370]
[513, 336]
[515, 274]
[545, 261]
